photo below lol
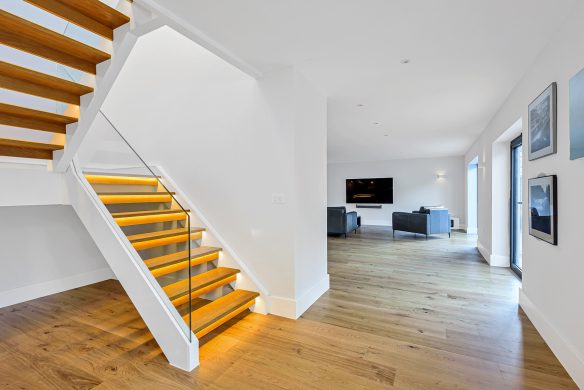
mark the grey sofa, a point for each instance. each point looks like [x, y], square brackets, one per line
[425, 221]
[339, 221]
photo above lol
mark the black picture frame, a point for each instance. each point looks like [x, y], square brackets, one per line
[543, 124]
[543, 208]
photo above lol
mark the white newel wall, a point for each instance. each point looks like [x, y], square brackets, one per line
[552, 275]
[415, 184]
[242, 150]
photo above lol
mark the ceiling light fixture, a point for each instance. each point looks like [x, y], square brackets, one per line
[360, 105]
[405, 61]
[376, 123]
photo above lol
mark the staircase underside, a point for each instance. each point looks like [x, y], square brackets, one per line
[26, 36]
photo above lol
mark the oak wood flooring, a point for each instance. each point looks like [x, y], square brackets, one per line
[403, 314]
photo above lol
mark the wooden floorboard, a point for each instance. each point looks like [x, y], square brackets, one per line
[403, 314]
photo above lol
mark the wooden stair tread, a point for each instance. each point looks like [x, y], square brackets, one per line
[127, 180]
[182, 256]
[128, 193]
[26, 149]
[162, 234]
[92, 15]
[200, 282]
[23, 35]
[29, 144]
[164, 238]
[135, 197]
[219, 311]
[17, 78]
[146, 219]
[123, 214]
[17, 116]
[119, 174]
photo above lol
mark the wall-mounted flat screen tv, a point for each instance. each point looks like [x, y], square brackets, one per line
[377, 191]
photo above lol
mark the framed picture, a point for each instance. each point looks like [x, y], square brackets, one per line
[543, 218]
[577, 116]
[543, 124]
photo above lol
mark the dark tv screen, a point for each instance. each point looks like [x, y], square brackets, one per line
[379, 191]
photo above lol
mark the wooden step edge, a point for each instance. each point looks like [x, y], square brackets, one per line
[12, 109]
[30, 144]
[126, 180]
[122, 214]
[136, 193]
[162, 233]
[176, 257]
[163, 197]
[195, 293]
[29, 118]
[32, 38]
[146, 219]
[31, 82]
[224, 276]
[153, 243]
[26, 149]
[221, 310]
[115, 174]
[95, 20]
[184, 264]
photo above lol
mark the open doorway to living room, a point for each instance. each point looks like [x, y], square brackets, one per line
[472, 207]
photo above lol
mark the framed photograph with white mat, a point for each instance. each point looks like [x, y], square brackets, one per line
[543, 124]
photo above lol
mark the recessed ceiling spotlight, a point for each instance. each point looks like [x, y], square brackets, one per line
[360, 105]
[405, 61]
[386, 135]
[376, 123]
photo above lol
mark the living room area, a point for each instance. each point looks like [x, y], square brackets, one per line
[403, 253]
[417, 197]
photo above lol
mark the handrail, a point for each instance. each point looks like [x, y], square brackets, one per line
[173, 197]
[141, 160]
[102, 156]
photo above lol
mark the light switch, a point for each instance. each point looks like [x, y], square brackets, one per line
[278, 199]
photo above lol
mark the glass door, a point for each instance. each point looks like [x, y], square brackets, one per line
[516, 205]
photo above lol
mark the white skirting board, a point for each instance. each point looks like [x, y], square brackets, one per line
[27, 293]
[493, 260]
[499, 261]
[290, 308]
[572, 361]
[483, 251]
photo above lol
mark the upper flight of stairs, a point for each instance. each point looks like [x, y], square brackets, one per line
[26, 36]
[156, 227]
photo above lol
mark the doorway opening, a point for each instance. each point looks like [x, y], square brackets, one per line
[516, 227]
[472, 211]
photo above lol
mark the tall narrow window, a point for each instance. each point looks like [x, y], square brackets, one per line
[516, 205]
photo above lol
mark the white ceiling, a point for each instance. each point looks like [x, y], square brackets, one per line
[466, 56]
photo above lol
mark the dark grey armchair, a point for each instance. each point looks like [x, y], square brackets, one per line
[425, 221]
[339, 221]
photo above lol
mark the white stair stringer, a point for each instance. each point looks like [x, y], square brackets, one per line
[178, 343]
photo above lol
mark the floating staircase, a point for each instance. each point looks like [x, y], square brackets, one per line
[192, 287]
[156, 227]
[29, 37]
